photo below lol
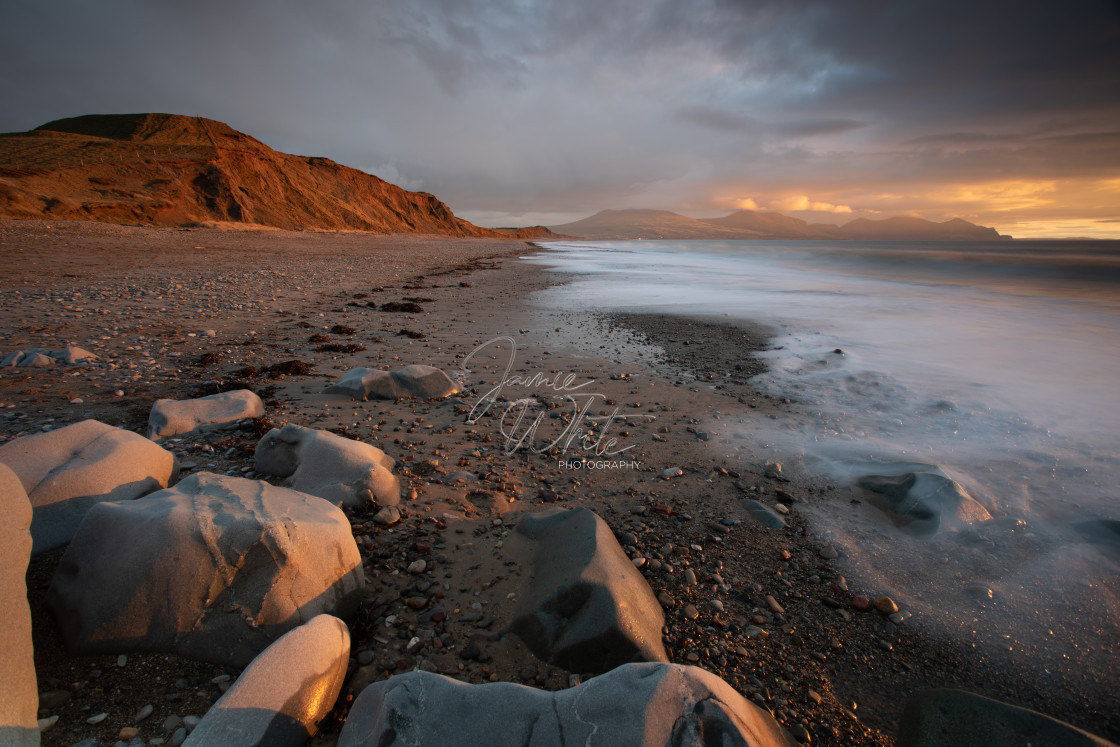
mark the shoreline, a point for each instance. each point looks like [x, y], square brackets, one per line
[806, 663]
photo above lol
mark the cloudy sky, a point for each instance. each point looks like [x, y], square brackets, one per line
[517, 112]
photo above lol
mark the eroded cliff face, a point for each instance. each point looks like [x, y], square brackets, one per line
[173, 170]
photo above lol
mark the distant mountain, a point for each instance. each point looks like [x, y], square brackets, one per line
[643, 224]
[753, 224]
[174, 170]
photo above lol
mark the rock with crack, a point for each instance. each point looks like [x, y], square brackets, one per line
[635, 704]
[340, 470]
[922, 503]
[423, 382]
[282, 696]
[67, 471]
[173, 417]
[949, 718]
[215, 568]
[587, 608]
[19, 695]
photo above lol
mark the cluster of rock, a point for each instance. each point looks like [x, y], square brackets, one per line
[424, 382]
[71, 355]
[242, 573]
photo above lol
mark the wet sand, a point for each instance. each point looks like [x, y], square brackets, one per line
[787, 637]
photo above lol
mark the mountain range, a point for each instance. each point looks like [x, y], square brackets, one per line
[754, 224]
[176, 170]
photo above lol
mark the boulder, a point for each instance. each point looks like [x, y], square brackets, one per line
[424, 382]
[69, 470]
[763, 514]
[635, 704]
[72, 355]
[36, 359]
[279, 700]
[950, 718]
[19, 695]
[587, 608]
[215, 568]
[12, 359]
[922, 503]
[170, 417]
[340, 470]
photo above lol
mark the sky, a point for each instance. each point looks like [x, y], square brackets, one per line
[516, 112]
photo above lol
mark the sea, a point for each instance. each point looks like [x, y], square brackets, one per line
[995, 363]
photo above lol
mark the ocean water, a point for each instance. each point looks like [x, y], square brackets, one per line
[997, 363]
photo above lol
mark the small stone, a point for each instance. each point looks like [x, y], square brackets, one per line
[689, 612]
[387, 516]
[672, 472]
[417, 566]
[122, 660]
[638, 562]
[127, 732]
[665, 600]
[784, 555]
[46, 723]
[716, 604]
[95, 720]
[860, 603]
[689, 576]
[782, 508]
[178, 737]
[886, 606]
[143, 713]
[753, 631]
[800, 733]
[772, 603]
[828, 552]
[191, 721]
[815, 696]
[365, 657]
[899, 617]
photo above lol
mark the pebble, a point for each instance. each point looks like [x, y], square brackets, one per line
[128, 732]
[95, 720]
[46, 723]
[689, 576]
[800, 733]
[178, 737]
[753, 631]
[122, 660]
[717, 604]
[417, 566]
[672, 472]
[387, 516]
[665, 600]
[886, 606]
[828, 552]
[689, 612]
[772, 603]
[782, 509]
[815, 696]
[143, 713]
[860, 603]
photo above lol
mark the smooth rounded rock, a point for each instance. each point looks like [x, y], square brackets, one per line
[279, 700]
[424, 382]
[67, 471]
[214, 569]
[340, 470]
[634, 704]
[19, 694]
[587, 608]
[171, 417]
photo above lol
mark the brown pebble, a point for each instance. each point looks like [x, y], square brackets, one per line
[828, 552]
[665, 600]
[886, 606]
[772, 603]
[128, 732]
[860, 603]
[689, 612]
[784, 555]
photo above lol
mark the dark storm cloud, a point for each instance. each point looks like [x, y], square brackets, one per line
[533, 108]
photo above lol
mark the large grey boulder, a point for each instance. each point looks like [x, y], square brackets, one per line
[67, 471]
[19, 695]
[279, 700]
[922, 503]
[340, 470]
[215, 568]
[635, 704]
[424, 382]
[71, 355]
[951, 718]
[172, 417]
[587, 608]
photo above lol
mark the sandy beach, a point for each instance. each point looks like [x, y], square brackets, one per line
[183, 312]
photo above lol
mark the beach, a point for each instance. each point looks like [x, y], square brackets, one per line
[179, 313]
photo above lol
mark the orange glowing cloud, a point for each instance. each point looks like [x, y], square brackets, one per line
[802, 203]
